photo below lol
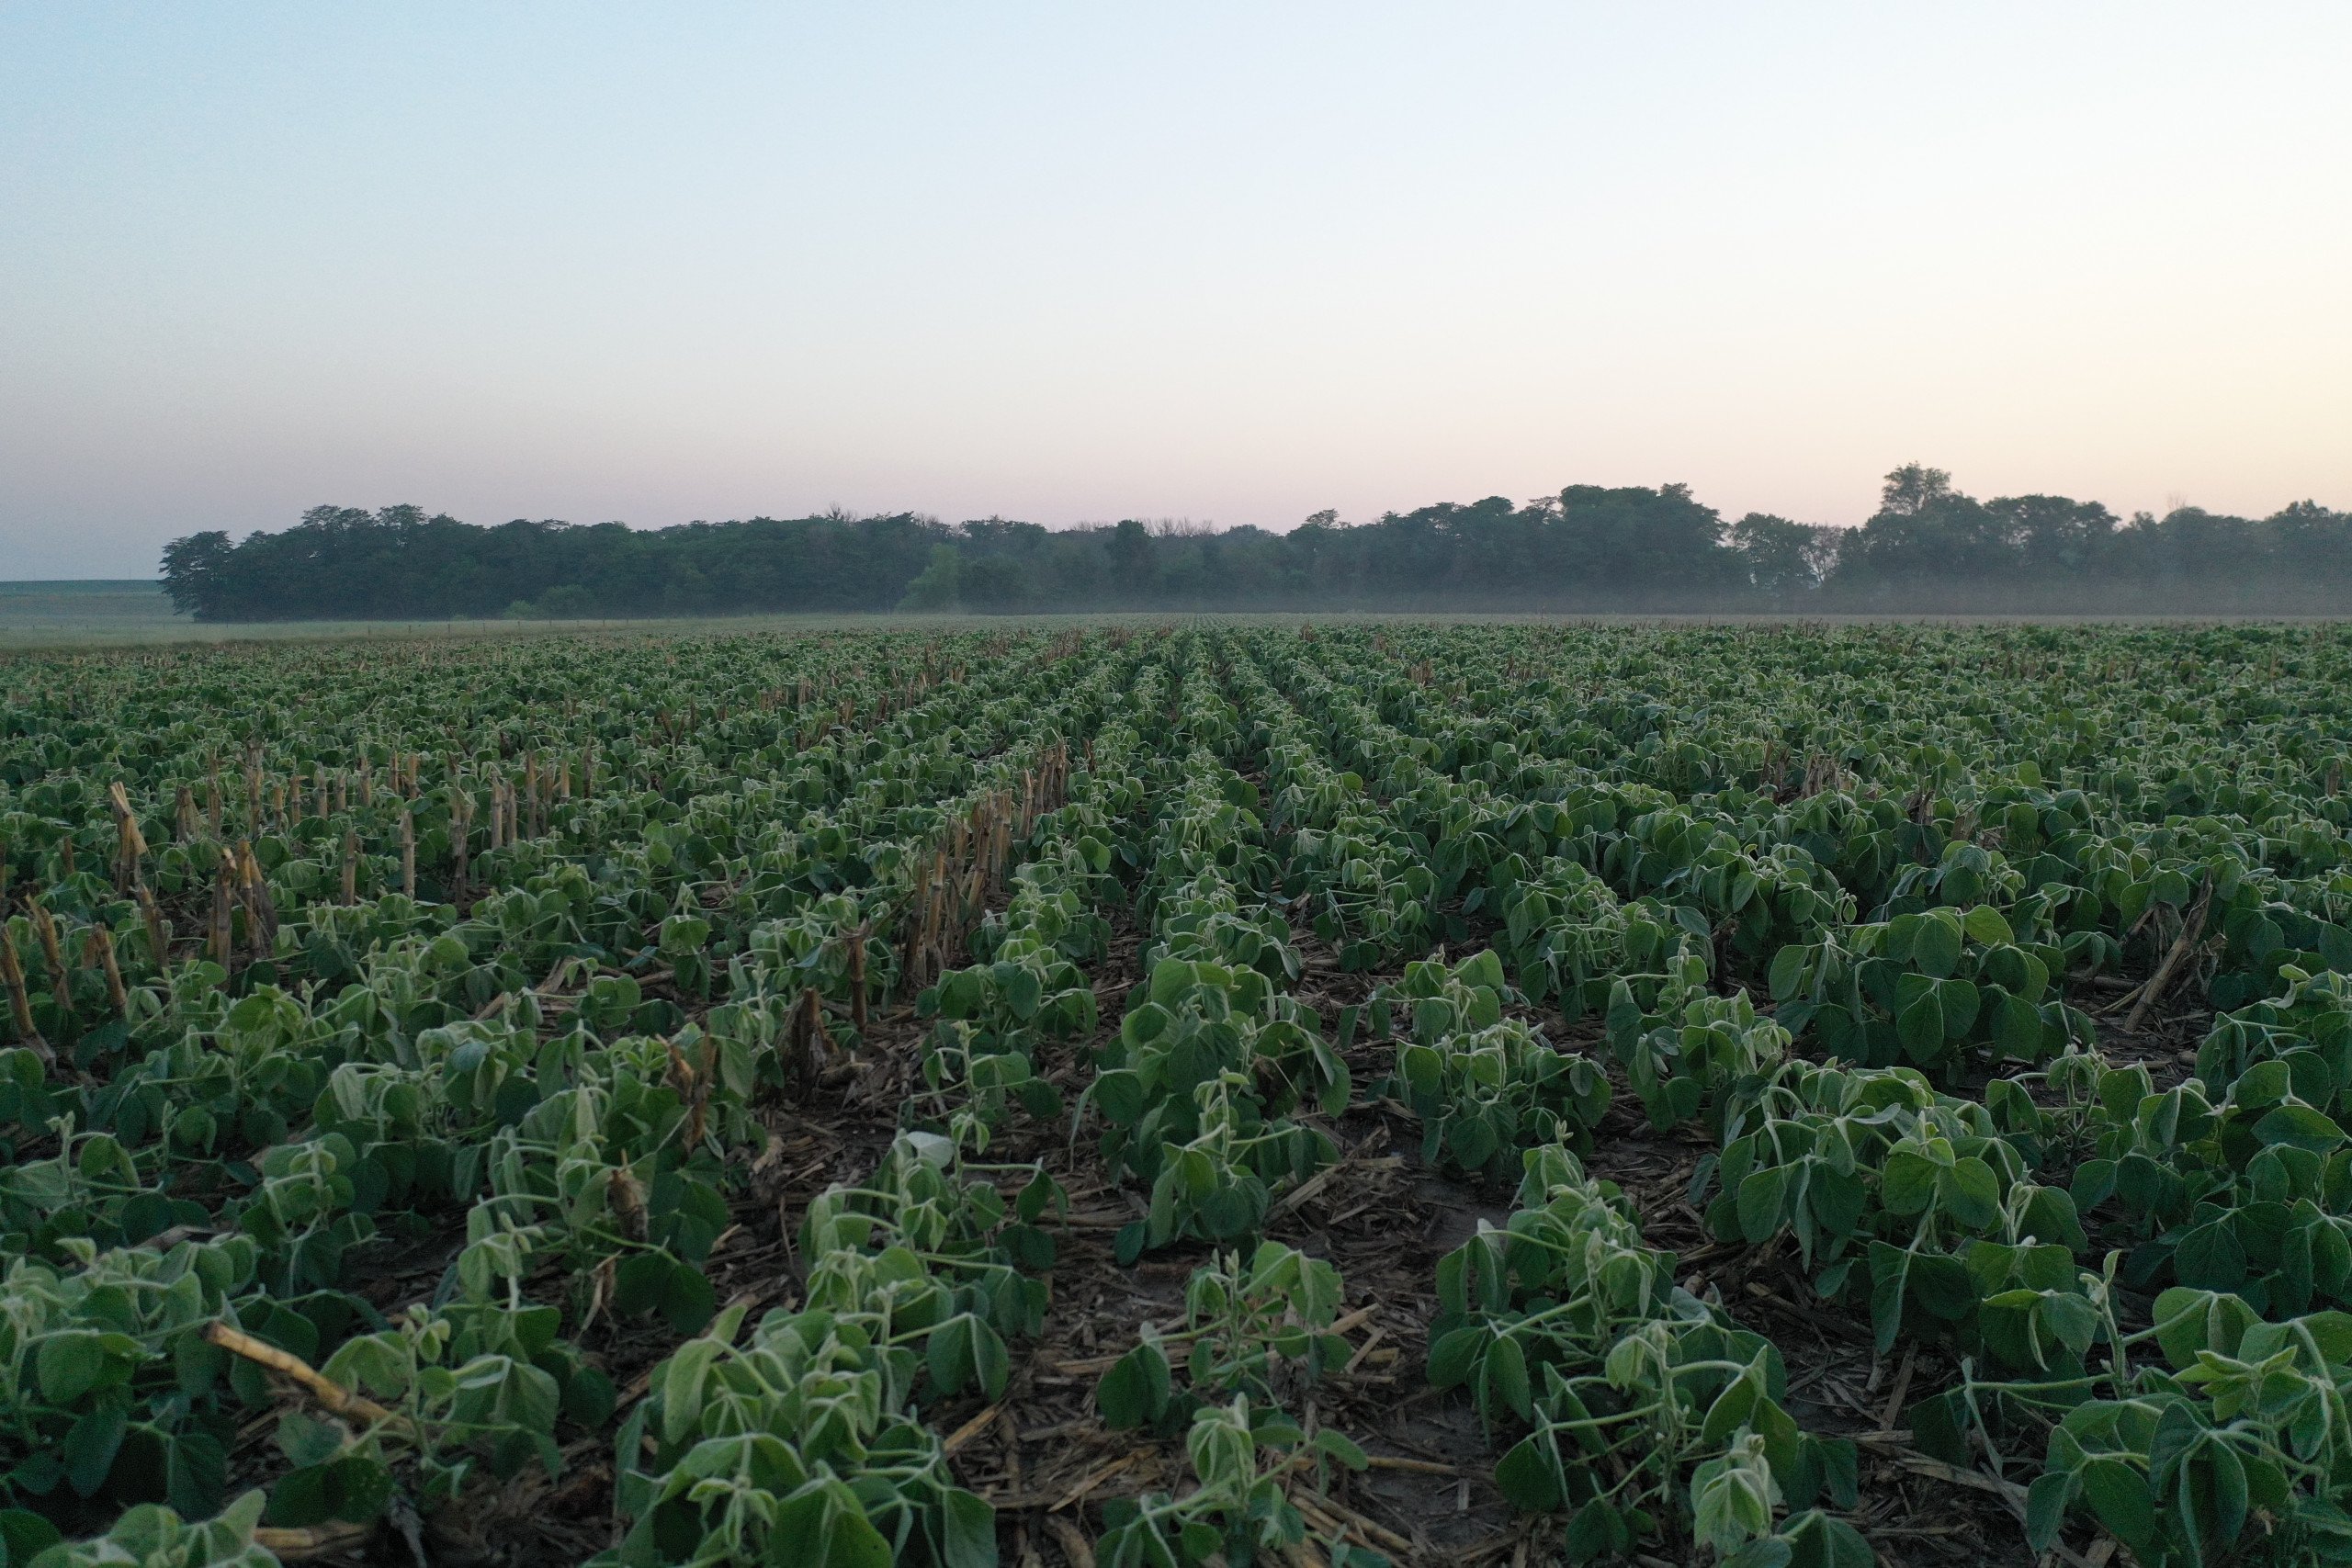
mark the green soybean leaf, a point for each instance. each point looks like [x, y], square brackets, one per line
[2045, 1508]
[69, 1364]
[1987, 925]
[1970, 1193]
[1528, 1478]
[1504, 1377]
[1134, 1392]
[1936, 947]
[1919, 1027]
[687, 1299]
[90, 1446]
[1761, 1196]
[970, 1537]
[2119, 1495]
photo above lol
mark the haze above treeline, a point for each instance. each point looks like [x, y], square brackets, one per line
[1930, 548]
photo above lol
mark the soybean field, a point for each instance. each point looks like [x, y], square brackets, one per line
[1315, 1095]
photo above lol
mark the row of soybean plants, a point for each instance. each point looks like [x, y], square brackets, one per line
[1650, 1411]
[1925, 1208]
[808, 1440]
[1180, 1090]
[279, 1132]
[1199, 1095]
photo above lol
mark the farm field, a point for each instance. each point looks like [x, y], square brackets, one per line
[1314, 1093]
[98, 613]
[77, 614]
[90, 609]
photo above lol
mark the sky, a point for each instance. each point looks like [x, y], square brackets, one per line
[1231, 263]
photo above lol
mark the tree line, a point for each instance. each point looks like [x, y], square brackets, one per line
[1928, 548]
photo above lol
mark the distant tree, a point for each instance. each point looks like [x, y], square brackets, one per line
[194, 572]
[1925, 539]
[2309, 540]
[2189, 545]
[1131, 560]
[1927, 548]
[937, 587]
[1783, 560]
[1912, 488]
[1074, 569]
[567, 602]
[2053, 536]
[1638, 545]
[994, 584]
[689, 590]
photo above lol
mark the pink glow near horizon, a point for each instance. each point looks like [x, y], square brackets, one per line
[1226, 263]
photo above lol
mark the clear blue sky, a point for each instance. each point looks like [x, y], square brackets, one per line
[1229, 261]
